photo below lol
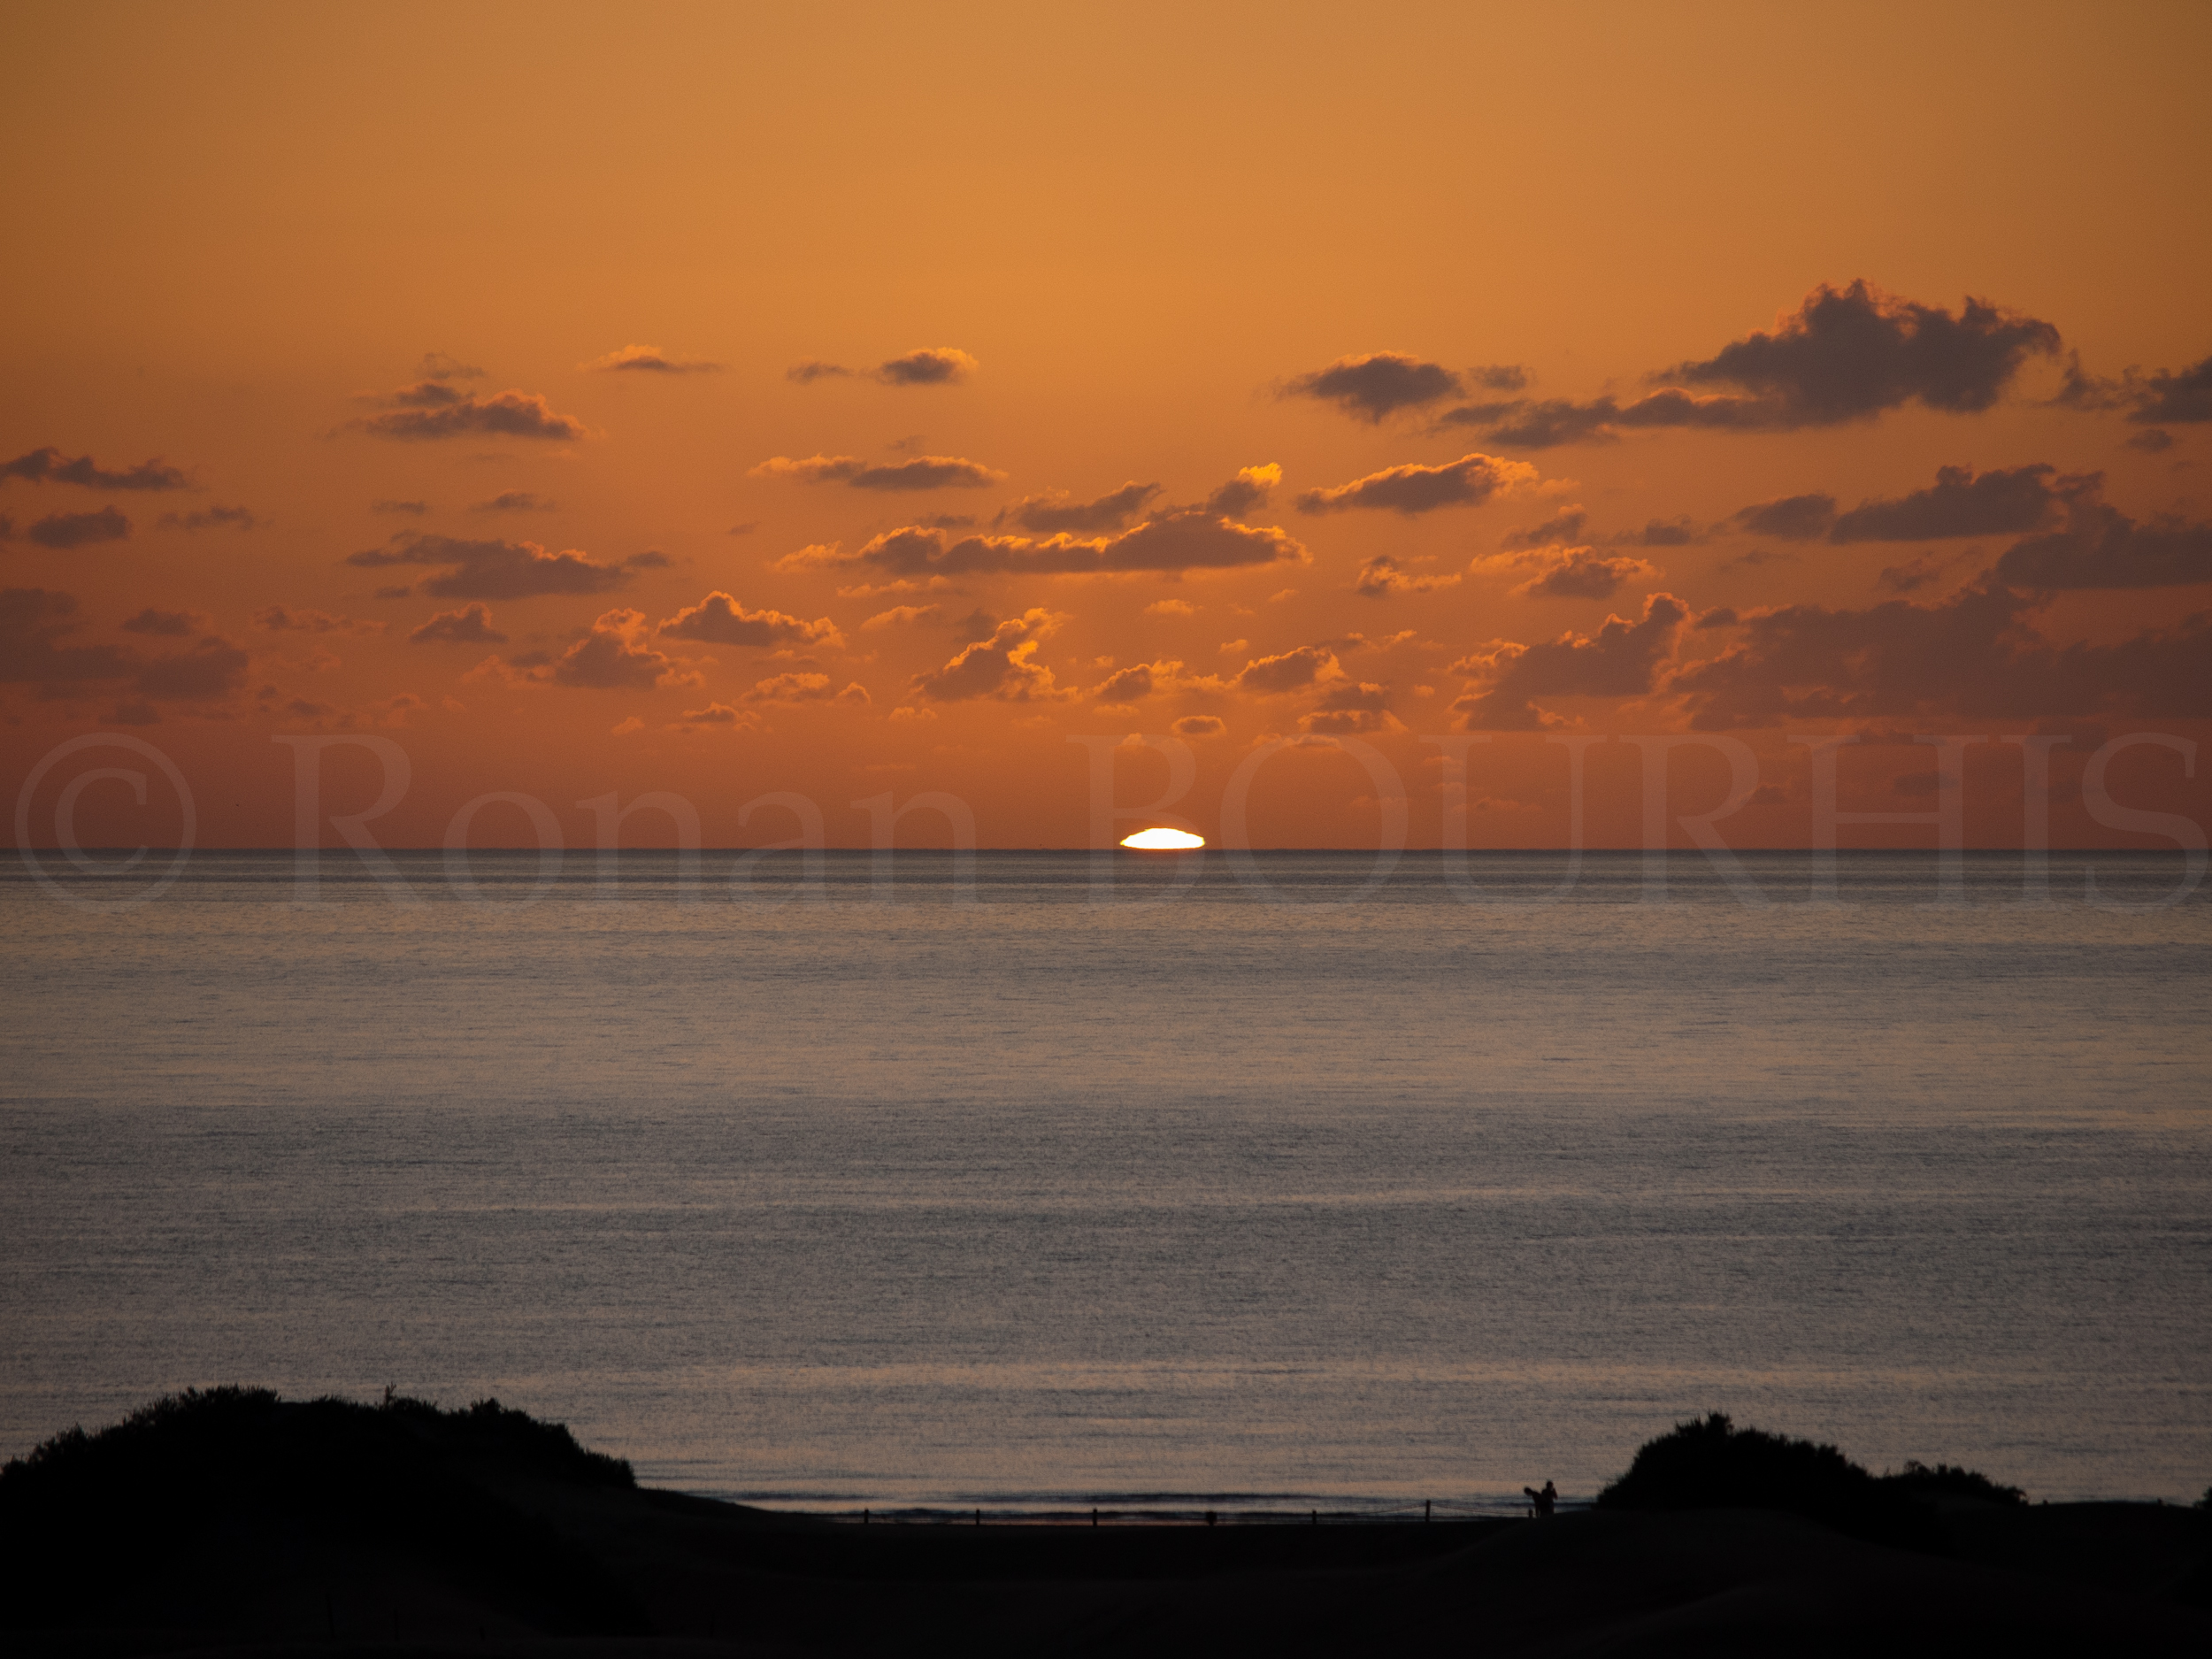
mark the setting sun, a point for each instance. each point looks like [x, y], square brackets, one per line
[1163, 840]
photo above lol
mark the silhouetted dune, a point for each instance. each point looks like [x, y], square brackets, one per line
[231, 1520]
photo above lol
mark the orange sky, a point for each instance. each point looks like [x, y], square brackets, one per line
[272, 266]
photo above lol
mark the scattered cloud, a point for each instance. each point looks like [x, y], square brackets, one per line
[1380, 577]
[285, 619]
[34, 649]
[1469, 481]
[432, 409]
[514, 500]
[1294, 670]
[745, 528]
[923, 472]
[1961, 503]
[613, 656]
[1791, 518]
[799, 689]
[65, 530]
[1246, 492]
[649, 360]
[1376, 386]
[715, 716]
[472, 625]
[495, 569]
[902, 616]
[1622, 659]
[1053, 513]
[1846, 354]
[1562, 527]
[48, 466]
[1174, 543]
[1129, 684]
[1917, 573]
[1199, 725]
[437, 366]
[1676, 531]
[1351, 708]
[2152, 440]
[2175, 397]
[2101, 547]
[720, 620]
[211, 668]
[169, 622]
[933, 365]
[1572, 572]
[1002, 667]
[211, 519]
[1971, 654]
[1170, 608]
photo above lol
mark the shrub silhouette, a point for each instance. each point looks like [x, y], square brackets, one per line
[1714, 1465]
[1920, 1481]
[404, 1479]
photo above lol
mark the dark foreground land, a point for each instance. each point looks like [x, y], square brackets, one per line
[235, 1523]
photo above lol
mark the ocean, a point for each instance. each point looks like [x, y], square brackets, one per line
[1268, 1187]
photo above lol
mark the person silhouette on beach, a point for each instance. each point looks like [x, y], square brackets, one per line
[1542, 1503]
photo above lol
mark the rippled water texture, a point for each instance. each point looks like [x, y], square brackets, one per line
[1035, 1198]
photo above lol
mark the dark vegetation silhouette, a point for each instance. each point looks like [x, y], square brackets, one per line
[297, 1481]
[1712, 1464]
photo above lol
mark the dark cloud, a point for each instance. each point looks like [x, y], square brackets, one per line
[1677, 532]
[1916, 573]
[934, 365]
[1048, 515]
[1199, 725]
[1245, 493]
[1622, 659]
[1185, 541]
[1379, 578]
[63, 530]
[1499, 377]
[1847, 354]
[414, 508]
[33, 622]
[514, 500]
[745, 528]
[1001, 667]
[212, 518]
[806, 373]
[649, 360]
[1561, 528]
[402, 591]
[2167, 398]
[437, 366]
[1294, 670]
[1350, 708]
[2183, 397]
[2152, 440]
[1467, 482]
[612, 657]
[48, 466]
[2101, 547]
[1972, 655]
[923, 472]
[1792, 518]
[1578, 573]
[1126, 686]
[175, 623]
[432, 409]
[493, 570]
[719, 619]
[472, 625]
[800, 689]
[1378, 384]
[285, 619]
[212, 668]
[1961, 503]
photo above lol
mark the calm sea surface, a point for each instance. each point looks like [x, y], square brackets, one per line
[1314, 1195]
